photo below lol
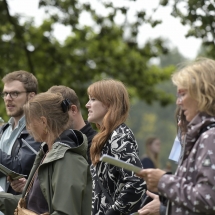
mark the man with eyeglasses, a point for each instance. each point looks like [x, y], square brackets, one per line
[17, 147]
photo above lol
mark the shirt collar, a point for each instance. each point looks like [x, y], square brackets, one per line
[20, 122]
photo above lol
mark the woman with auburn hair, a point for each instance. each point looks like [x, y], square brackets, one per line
[115, 190]
[191, 190]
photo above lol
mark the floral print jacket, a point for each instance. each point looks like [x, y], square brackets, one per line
[192, 189]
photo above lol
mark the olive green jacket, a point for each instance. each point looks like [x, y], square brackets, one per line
[64, 177]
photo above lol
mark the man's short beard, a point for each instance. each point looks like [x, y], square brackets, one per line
[19, 113]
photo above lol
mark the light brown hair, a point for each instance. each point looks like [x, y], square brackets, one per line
[67, 93]
[29, 81]
[49, 106]
[114, 95]
[182, 128]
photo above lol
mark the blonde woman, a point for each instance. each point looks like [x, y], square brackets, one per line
[115, 191]
[191, 189]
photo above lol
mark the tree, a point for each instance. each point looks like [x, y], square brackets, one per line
[204, 51]
[199, 15]
[100, 50]
[174, 57]
[154, 120]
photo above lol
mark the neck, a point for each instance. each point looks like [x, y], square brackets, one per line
[79, 123]
[50, 146]
[50, 140]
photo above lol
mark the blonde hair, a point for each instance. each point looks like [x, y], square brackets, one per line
[48, 105]
[114, 95]
[199, 79]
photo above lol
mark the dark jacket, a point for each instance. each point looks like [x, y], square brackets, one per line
[22, 158]
[90, 133]
[124, 187]
[147, 163]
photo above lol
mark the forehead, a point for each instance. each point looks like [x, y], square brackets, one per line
[13, 86]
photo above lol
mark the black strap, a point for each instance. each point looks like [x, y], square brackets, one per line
[206, 128]
[104, 191]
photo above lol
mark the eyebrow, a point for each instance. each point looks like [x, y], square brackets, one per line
[13, 91]
[182, 91]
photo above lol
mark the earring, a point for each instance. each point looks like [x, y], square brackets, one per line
[46, 131]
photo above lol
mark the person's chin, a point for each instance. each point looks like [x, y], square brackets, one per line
[10, 113]
[89, 119]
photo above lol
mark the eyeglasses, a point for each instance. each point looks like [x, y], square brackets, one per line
[13, 94]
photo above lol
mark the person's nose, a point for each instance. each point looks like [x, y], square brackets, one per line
[178, 101]
[7, 97]
[87, 105]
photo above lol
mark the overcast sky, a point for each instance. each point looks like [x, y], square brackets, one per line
[171, 27]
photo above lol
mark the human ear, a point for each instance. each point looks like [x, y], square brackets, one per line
[74, 108]
[31, 95]
[44, 121]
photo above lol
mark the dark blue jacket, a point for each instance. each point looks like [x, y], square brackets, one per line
[22, 158]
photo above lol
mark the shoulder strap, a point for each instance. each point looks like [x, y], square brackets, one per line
[206, 128]
[104, 191]
[24, 194]
[50, 172]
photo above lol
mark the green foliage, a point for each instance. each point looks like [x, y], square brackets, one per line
[199, 15]
[205, 51]
[174, 57]
[101, 50]
[155, 120]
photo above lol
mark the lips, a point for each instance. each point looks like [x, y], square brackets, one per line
[89, 113]
[9, 106]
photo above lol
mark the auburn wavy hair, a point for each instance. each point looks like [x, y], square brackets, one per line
[114, 95]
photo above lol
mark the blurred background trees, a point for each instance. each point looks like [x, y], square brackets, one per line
[200, 17]
[106, 49]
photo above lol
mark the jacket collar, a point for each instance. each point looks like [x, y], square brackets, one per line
[200, 121]
[69, 140]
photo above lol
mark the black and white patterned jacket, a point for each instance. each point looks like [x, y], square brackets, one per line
[123, 186]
